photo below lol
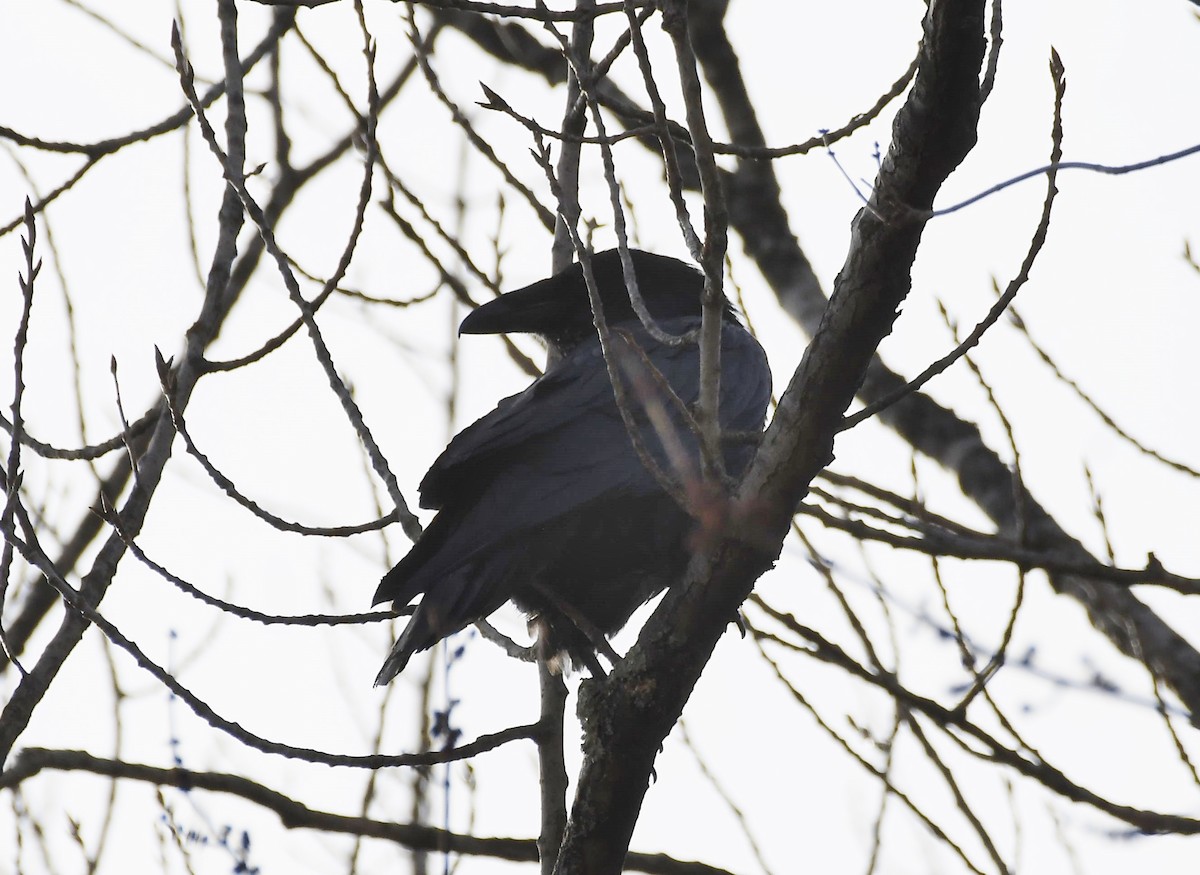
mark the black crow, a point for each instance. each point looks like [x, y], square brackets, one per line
[545, 501]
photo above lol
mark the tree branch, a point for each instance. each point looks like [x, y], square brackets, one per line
[627, 717]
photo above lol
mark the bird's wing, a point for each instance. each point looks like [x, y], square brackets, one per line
[560, 408]
[567, 421]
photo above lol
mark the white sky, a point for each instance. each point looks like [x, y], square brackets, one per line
[1111, 298]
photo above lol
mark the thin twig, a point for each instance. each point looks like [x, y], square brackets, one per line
[408, 520]
[1035, 247]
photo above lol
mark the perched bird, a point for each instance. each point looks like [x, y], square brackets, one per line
[547, 501]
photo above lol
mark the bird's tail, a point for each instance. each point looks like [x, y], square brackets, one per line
[397, 658]
[457, 599]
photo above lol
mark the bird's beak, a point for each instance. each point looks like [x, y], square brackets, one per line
[535, 309]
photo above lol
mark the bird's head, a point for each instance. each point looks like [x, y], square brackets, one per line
[559, 311]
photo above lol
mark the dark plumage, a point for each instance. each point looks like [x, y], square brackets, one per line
[544, 501]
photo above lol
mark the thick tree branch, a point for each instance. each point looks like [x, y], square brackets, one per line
[937, 432]
[627, 718]
[296, 815]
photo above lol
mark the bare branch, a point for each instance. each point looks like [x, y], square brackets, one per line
[408, 520]
[628, 717]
